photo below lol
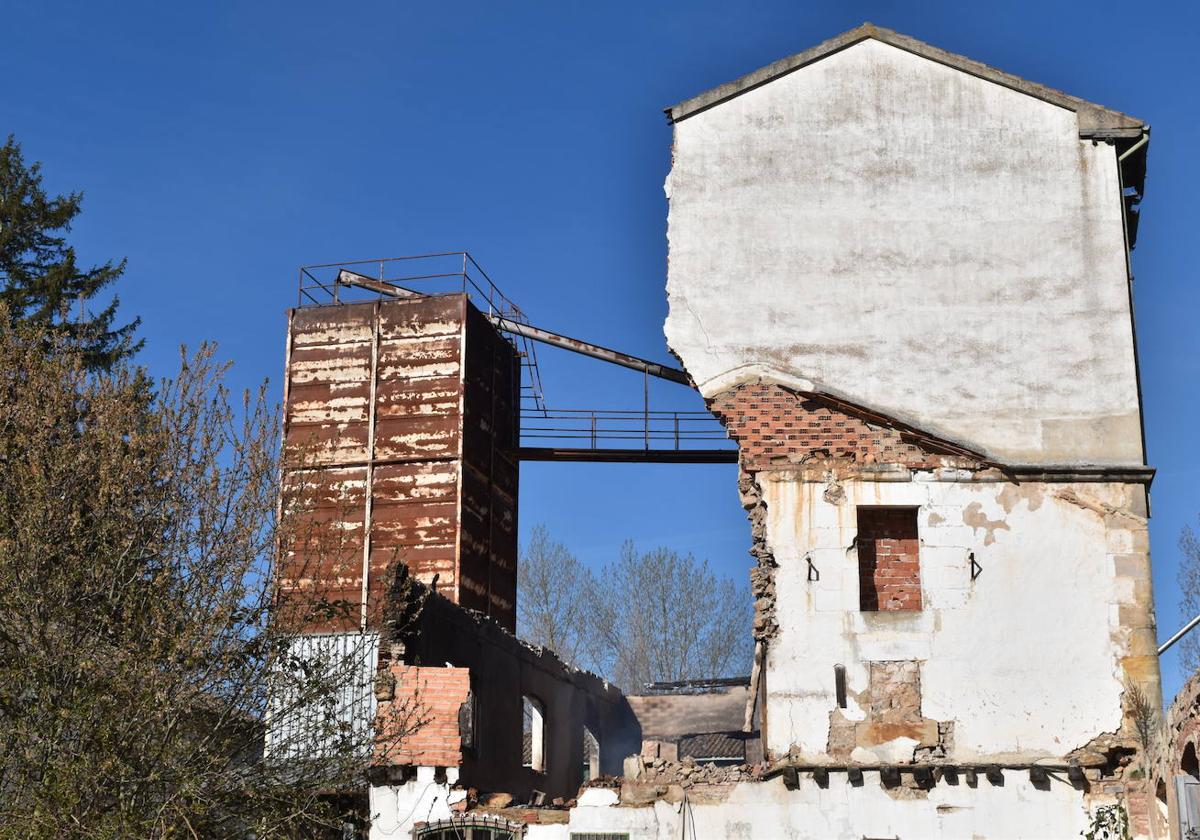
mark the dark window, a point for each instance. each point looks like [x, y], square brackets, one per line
[468, 723]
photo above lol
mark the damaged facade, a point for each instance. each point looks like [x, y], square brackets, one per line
[900, 280]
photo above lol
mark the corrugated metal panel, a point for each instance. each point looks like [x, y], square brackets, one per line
[434, 483]
[305, 721]
[1187, 797]
[488, 563]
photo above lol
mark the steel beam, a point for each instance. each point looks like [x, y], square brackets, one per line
[616, 357]
[628, 456]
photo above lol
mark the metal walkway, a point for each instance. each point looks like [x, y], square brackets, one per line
[581, 435]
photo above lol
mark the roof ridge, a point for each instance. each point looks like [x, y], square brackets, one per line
[1095, 120]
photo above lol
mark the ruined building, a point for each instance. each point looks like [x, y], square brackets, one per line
[900, 279]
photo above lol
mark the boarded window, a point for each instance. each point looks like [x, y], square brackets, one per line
[889, 567]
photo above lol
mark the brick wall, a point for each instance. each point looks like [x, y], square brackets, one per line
[889, 567]
[426, 700]
[775, 427]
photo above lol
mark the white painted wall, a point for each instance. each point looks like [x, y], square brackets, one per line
[917, 240]
[1026, 660]
[755, 810]
[396, 808]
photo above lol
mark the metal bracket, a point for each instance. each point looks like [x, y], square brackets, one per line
[813, 573]
[976, 569]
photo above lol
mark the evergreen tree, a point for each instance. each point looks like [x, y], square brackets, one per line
[40, 282]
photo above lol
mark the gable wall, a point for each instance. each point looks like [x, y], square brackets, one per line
[916, 240]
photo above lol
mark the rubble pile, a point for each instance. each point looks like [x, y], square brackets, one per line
[688, 772]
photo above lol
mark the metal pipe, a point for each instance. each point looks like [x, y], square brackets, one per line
[369, 493]
[588, 349]
[352, 278]
[1145, 139]
[1183, 631]
[646, 405]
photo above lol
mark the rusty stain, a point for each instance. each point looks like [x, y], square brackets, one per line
[444, 475]
[1014, 494]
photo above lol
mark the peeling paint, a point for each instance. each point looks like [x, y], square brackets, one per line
[974, 517]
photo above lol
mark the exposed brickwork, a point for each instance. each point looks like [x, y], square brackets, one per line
[1173, 752]
[426, 700]
[889, 568]
[776, 427]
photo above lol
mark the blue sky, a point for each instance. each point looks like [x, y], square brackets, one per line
[221, 145]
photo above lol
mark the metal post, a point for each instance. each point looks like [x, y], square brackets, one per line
[677, 430]
[1182, 632]
[646, 404]
[369, 493]
[593, 430]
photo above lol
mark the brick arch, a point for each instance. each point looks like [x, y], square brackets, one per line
[1188, 761]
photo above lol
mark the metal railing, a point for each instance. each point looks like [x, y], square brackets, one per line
[457, 272]
[448, 272]
[624, 429]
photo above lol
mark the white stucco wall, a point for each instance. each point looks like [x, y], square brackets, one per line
[915, 239]
[843, 811]
[1029, 660]
[394, 809]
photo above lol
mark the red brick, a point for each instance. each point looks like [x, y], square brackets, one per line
[889, 570]
[438, 693]
[772, 424]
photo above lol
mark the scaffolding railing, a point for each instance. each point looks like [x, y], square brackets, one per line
[447, 272]
[692, 435]
[676, 431]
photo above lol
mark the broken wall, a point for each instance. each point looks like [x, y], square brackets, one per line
[500, 670]
[1036, 615]
[903, 287]
[1015, 809]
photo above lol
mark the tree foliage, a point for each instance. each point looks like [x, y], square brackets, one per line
[139, 527]
[646, 617]
[554, 603]
[666, 616]
[40, 280]
[1189, 600]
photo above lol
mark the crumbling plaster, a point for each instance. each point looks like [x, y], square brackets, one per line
[1029, 660]
[912, 238]
[424, 798]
